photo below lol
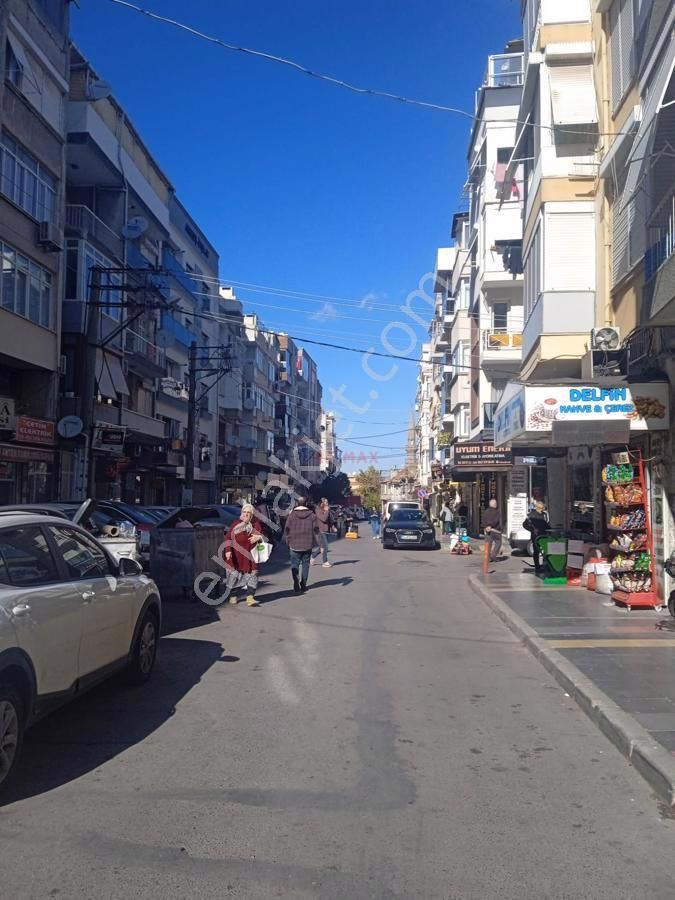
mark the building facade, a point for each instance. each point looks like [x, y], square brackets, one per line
[34, 52]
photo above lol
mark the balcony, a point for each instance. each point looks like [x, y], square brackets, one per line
[146, 425]
[557, 333]
[143, 356]
[175, 269]
[174, 331]
[504, 70]
[81, 222]
[501, 347]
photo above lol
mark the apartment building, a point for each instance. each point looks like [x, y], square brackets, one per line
[33, 89]
[230, 338]
[140, 285]
[256, 429]
[457, 378]
[330, 453]
[309, 405]
[495, 289]
[424, 432]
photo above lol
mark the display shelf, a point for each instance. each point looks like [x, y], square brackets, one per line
[629, 599]
[626, 528]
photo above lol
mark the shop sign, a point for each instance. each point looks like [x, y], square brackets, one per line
[109, 438]
[535, 409]
[12, 453]
[481, 456]
[33, 431]
[235, 482]
[6, 413]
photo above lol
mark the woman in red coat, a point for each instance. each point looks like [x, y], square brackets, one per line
[242, 570]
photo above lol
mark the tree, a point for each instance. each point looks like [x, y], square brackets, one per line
[335, 488]
[368, 483]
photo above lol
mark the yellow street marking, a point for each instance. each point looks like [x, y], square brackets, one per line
[612, 642]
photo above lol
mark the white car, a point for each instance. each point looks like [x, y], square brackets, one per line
[70, 616]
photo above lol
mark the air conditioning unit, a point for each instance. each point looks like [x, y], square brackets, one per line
[606, 338]
[49, 237]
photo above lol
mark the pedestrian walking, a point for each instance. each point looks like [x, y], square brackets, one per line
[537, 523]
[375, 522]
[241, 569]
[492, 524]
[301, 534]
[340, 522]
[447, 517]
[323, 517]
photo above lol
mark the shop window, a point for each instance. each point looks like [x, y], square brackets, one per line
[581, 496]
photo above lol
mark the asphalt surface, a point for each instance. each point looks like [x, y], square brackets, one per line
[383, 736]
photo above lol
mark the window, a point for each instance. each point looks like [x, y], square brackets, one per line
[13, 67]
[83, 558]
[25, 287]
[25, 557]
[622, 16]
[573, 104]
[500, 317]
[24, 181]
[463, 295]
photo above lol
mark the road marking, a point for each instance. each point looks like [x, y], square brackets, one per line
[527, 588]
[612, 642]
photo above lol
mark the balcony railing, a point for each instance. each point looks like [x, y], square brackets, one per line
[136, 343]
[81, 221]
[662, 244]
[502, 340]
[504, 70]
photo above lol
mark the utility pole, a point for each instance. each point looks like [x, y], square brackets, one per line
[93, 317]
[191, 422]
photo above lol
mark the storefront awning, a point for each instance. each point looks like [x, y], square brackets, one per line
[572, 415]
[109, 375]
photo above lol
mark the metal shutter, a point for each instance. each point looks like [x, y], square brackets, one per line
[569, 255]
[620, 233]
[573, 95]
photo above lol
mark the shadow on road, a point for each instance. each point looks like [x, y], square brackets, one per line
[89, 732]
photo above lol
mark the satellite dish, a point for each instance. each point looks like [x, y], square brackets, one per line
[135, 227]
[98, 90]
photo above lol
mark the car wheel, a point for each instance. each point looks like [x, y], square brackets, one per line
[530, 548]
[11, 733]
[144, 651]
[671, 604]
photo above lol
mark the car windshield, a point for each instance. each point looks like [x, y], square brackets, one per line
[408, 515]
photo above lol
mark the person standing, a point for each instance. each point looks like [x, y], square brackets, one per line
[375, 522]
[301, 534]
[447, 517]
[492, 524]
[241, 567]
[537, 523]
[322, 514]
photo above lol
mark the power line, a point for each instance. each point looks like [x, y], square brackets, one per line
[339, 82]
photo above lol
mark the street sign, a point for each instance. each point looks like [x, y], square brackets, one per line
[421, 493]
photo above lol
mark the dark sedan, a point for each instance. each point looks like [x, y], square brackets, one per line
[409, 528]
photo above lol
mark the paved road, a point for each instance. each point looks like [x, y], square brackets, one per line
[383, 736]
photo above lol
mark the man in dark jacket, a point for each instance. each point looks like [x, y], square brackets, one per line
[492, 524]
[301, 535]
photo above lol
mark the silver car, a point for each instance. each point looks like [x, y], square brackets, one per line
[70, 616]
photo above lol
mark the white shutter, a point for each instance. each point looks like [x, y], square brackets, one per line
[573, 95]
[627, 50]
[569, 251]
[621, 49]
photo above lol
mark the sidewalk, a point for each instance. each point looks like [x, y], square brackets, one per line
[618, 665]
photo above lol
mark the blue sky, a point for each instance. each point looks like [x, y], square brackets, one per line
[302, 185]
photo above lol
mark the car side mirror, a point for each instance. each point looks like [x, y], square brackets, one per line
[128, 566]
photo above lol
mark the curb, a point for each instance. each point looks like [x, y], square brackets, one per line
[650, 759]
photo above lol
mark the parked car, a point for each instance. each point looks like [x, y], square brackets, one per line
[202, 516]
[409, 528]
[392, 505]
[117, 534]
[70, 616]
[158, 512]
